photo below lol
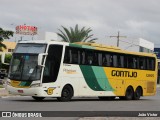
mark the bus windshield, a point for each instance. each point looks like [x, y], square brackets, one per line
[24, 63]
[24, 67]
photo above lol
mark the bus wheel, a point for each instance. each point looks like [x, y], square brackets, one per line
[137, 93]
[106, 98]
[38, 98]
[129, 93]
[66, 95]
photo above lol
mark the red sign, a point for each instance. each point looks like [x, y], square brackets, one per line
[26, 30]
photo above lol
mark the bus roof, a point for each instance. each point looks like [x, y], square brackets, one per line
[103, 47]
[89, 45]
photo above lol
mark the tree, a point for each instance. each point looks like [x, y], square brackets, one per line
[4, 34]
[76, 34]
[7, 60]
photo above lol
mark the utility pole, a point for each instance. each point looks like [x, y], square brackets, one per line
[118, 38]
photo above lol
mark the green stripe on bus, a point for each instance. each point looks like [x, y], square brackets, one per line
[95, 78]
[90, 78]
[102, 78]
[80, 46]
[75, 45]
[25, 83]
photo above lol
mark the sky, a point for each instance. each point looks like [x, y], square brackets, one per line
[133, 18]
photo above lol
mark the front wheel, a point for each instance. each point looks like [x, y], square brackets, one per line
[66, 95]
[38, 98]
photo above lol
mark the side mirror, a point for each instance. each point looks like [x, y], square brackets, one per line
[40, 58]
[3, 58]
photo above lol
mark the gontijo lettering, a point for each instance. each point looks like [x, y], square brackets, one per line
[120, 73]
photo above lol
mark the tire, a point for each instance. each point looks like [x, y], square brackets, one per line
[129, 93]
[38, 98]
[137, 93]
[107, 98]
[66, 95]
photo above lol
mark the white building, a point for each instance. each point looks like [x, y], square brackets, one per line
[138, 45]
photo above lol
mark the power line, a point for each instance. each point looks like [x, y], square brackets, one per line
[118, 36]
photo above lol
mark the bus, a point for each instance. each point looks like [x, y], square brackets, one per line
[61, 70]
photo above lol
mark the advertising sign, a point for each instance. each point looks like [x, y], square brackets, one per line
[26, 30]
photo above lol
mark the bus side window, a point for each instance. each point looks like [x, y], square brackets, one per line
[89, 57]
[74, 56]
[150, 64]
[110, 59]
[104, 60]
[130, 62]
[125, 61]
[120, 61]
[95, 58]
[142, 63]
[100, 59]
[153, 63]
[82, 57]
[115, 61]
[107, 60]
[135, 62]
[67, 56]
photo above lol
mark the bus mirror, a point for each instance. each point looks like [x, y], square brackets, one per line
[3, 58]
[40, 58]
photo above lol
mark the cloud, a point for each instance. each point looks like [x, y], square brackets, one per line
[133, 18]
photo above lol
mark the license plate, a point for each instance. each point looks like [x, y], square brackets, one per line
[20, 91]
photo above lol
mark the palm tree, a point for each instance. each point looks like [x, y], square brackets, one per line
[4, 34]
[76, 34]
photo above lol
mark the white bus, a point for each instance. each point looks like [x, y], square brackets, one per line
[64, 70]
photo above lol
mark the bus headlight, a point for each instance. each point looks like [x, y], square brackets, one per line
[36, 85]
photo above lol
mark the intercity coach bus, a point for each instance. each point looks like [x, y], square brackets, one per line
[64, 70]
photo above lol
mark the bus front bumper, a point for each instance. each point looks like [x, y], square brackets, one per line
[35, 91]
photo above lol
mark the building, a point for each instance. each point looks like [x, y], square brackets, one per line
[10, 46]
[137, 45]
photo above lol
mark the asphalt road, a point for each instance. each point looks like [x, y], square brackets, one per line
[23, 103]
[20, 103]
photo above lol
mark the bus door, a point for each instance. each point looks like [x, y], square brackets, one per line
[52, 63]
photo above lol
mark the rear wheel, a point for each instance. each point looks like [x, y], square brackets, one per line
[129, 93]
[66, 95]
[38, 98]
[137, 93]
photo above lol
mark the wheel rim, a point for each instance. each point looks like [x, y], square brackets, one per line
[66, 93]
